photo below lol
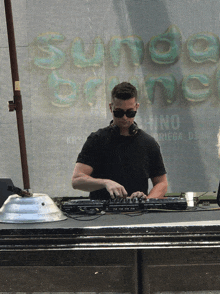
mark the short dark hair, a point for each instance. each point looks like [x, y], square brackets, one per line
[124, 91]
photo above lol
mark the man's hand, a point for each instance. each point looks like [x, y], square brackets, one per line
[115, 189]
[138, 194]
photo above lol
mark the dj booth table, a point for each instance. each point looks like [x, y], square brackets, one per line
[166, 252]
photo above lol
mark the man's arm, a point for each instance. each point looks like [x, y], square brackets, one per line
[82, 180]
[159, 187]
[158, 191]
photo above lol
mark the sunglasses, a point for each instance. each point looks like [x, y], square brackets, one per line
[120, 113]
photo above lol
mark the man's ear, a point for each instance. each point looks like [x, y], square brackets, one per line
[110, 107]
[137, 105]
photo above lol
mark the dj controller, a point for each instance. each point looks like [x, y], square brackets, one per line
[124, 205]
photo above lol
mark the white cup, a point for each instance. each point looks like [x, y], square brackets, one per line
[189, 199]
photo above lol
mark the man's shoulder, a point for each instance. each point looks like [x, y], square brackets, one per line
[99, 136]
[146, 137]
[102, 132]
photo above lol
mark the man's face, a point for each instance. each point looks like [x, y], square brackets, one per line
[119, 104]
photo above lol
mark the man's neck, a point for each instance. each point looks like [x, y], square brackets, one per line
[124, 132]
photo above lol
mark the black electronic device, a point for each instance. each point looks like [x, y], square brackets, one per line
[4, 192]
[218, 194]
[133, 129]
[124, 205]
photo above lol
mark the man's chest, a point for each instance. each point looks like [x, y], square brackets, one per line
[126, 152]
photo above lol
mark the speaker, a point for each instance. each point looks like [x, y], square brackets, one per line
[4, 193]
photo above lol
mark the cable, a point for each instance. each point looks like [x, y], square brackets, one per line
[84, 220]
[135, 213]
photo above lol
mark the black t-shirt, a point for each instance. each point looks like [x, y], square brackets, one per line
[128, 160]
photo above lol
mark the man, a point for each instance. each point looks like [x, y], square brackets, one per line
[118, 160]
